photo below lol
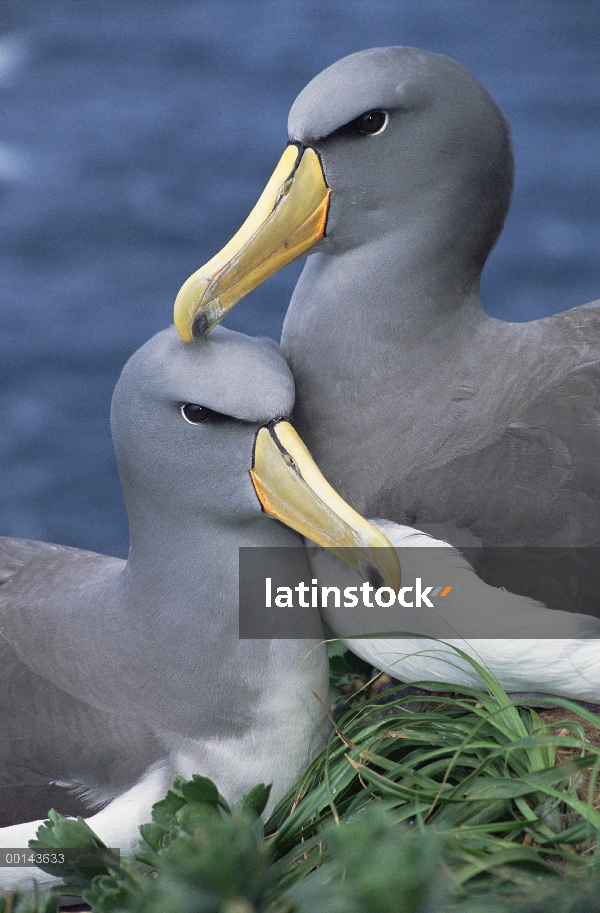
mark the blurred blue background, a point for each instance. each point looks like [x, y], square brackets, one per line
[134, 139]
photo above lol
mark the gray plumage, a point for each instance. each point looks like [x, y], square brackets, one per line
[417, 406]
[119, 673]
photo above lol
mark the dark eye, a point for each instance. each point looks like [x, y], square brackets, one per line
[372, 122]
[195, 414]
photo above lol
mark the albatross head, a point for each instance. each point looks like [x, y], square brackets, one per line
[202, 438]
[389, 143]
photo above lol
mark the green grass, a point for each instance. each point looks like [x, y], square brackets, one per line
[475, 804]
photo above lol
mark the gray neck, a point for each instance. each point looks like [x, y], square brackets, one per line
[180, 596]
[371, 340]
[192, 562]
[378, 297]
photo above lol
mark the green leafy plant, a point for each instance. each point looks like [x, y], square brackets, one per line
[470, 803]
[196, 854]
[28, 902]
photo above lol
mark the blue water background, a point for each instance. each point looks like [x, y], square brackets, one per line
[136, 136]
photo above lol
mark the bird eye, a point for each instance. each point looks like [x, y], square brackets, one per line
[372, 122]
[195, 414]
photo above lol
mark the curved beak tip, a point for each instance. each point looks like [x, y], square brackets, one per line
[200, 326]
[288, 219]
[372, 575]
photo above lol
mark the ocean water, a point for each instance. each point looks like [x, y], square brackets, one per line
[134, 139]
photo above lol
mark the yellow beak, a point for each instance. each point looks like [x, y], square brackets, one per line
[292, 489]
[288, 218]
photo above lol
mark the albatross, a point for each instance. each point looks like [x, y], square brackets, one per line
[418, 407]
[116, 676]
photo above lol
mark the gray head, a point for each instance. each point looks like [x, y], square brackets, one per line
[202, 441]
[390, 144]
[442, 153]
[197, 461]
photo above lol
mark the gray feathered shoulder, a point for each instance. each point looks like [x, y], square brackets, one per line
[16, 553]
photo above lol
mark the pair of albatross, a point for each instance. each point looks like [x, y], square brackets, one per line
[119, 675]
[116, 676]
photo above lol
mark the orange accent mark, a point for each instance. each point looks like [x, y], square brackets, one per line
[445, 591]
